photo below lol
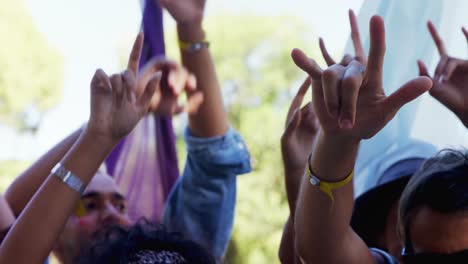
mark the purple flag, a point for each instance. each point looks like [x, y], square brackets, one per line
[144, 164]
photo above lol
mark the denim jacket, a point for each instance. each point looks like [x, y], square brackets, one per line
[202, 203]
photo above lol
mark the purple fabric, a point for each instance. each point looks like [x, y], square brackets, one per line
[144, 164]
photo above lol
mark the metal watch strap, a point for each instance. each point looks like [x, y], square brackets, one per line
[67, 177]
[198, 46]
[193, 46]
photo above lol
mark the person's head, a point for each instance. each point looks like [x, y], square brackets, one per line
[104, 205]
[433, 211]
[379, 185]
[375, 211]
[143, 242]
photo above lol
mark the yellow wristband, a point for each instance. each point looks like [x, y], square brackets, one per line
[328, 187]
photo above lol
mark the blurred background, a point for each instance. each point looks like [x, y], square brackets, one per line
[51, 48]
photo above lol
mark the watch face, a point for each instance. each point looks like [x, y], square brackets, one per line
[198, 46]
[314, 181]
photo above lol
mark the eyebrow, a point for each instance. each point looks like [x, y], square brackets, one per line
[93, 195]
[90, 195]
[118, 196]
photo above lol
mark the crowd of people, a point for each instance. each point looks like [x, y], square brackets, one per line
[66, 204]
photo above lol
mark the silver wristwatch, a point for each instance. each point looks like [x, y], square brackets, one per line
[70, 179]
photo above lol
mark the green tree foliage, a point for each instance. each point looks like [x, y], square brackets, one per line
[30, 70]
[252, 57]
[9, 170]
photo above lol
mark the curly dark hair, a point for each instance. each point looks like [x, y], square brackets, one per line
[118, 244]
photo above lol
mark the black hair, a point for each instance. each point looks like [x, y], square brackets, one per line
[371, 211]
[441, 185]
[118, 244]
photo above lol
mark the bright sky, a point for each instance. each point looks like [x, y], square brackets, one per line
[89, 33]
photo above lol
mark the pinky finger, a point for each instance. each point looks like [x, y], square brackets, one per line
[306, 64]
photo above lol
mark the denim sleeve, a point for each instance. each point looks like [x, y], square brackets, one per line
[201, 205]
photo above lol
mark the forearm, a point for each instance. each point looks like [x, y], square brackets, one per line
[323, 234]
[287, 250]
[6, 215]
[200, 63]
[23, 188]
[293, 179]
[46, 214]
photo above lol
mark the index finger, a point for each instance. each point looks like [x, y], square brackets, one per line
[376, 51]
[356, 37]
[297, 101]
[437, 40]
[135, 54]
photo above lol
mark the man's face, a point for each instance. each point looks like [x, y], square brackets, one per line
[104, 205]
[435, 232]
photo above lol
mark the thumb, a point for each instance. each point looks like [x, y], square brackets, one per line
[151, 94]
[407, 93]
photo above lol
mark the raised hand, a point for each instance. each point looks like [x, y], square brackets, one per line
[120, 101]
[359, 53]
[450, 80]
[115, 106]
[301, 128]
[185, 11]
[174, 81]
[350, 101]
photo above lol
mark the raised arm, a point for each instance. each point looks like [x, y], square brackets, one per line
[115, 110]
[450, 78]
[296, 142]
[202, 204]
[350, 105]
[189, 18]
[23, 188]
[6, 216]
[303, 125]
